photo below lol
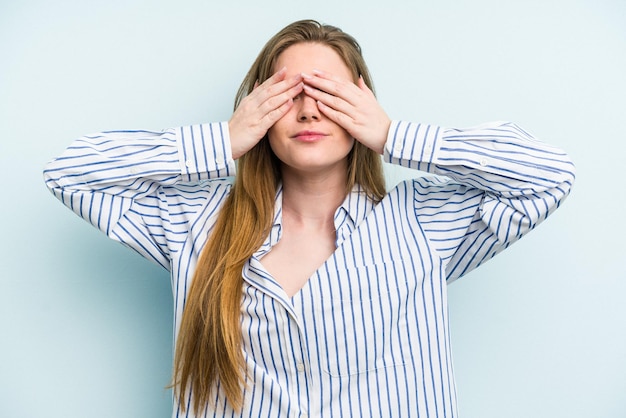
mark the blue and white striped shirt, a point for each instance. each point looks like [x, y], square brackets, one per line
[368, 333]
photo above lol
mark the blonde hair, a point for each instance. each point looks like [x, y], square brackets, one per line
[208, 348]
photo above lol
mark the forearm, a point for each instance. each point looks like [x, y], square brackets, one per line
[499, 157]
[502, 184]
[128, 163]
[126, 183]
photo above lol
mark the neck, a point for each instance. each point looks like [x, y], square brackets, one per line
[313, 199]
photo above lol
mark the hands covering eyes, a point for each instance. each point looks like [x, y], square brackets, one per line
[352, 106]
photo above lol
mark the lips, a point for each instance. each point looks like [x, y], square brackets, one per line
[309, 136]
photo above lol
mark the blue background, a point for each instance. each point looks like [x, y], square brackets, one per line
[86, 325]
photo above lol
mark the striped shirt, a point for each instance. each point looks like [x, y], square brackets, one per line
[368, 333]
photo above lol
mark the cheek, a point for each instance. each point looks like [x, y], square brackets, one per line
[279, 127]
[349, 139]
[273, 133]
[273, 141]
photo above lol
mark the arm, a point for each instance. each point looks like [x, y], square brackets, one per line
[141, 188]
[116, 180]
[501, 183]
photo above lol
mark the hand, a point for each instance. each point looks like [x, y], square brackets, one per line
[352, 106]
[258, 111]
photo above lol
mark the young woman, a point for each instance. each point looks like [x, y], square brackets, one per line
[304, 287]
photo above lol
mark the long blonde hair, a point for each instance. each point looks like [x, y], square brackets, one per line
[208, 348]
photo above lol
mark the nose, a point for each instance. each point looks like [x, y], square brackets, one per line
[308, 110]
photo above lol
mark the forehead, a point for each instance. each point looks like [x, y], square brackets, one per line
[306, 57]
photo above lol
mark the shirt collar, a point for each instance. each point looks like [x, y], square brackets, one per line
[352, 211]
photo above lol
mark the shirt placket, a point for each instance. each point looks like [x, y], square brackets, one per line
[291, 354]
[301, 369]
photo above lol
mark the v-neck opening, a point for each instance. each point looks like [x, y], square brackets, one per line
[349, 217]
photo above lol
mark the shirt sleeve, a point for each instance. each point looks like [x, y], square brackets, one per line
[498, 182]
[116, 180]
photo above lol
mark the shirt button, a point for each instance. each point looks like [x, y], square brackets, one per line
[300, 367]
[398, 148]
[483, 162]
[133, 170]
[188, 163]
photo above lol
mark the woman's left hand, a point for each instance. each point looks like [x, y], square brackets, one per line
[352, 106]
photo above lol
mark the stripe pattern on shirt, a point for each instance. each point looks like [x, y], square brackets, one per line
[368, 334]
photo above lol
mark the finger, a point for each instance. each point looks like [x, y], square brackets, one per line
[333, 85]
[275, 107]
[364, 87]
[276, 114]
[274, 86]
[276, 77]
[279, 82]
[273, 79]
[340, 118]
[334, 102]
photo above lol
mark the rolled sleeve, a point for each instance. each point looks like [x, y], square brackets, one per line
[412, 145]
[205, 151]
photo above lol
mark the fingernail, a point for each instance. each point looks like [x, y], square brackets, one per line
[306, 76]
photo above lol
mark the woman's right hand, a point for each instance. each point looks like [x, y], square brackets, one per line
[258, 111]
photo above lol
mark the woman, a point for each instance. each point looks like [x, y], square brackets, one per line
[305, 287]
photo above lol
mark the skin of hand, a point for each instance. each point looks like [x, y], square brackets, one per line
[352, 106]
[258, 111]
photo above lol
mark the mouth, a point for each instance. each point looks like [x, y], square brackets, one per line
[308, 136]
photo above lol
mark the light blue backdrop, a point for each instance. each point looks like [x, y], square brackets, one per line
[85, 324]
